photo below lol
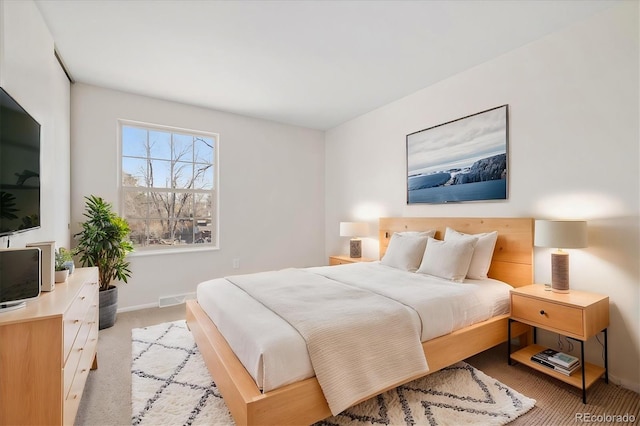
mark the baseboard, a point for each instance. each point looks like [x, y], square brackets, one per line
[163, 302]
[138, 307]
[627, 384]
[175, 299]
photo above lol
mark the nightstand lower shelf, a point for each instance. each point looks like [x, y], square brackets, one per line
[592, 372]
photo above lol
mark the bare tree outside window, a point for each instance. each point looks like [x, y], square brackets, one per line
[169, 185]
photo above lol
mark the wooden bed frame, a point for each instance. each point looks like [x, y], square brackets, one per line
[303, 402]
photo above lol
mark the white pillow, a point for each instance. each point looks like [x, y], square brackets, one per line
[404, 251]
[447, 259]
[483, 253]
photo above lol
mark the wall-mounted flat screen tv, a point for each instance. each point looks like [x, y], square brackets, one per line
[19, 168]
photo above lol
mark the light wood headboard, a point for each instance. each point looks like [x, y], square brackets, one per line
[513, 256]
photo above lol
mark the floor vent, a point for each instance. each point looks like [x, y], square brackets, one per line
[177, 299]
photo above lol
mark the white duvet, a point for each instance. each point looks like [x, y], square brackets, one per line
[340, 323]
[275, 354]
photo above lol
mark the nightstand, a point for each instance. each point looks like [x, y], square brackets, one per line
[341, 260]
[578, 315]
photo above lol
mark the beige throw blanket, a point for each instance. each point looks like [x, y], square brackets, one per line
[359, 342]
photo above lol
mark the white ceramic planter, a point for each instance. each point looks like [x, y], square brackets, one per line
[61, 276]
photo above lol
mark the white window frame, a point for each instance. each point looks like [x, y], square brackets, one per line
[215, 191]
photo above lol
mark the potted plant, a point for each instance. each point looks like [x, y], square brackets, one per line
[61, 269]
[66, 257]
[103, 242]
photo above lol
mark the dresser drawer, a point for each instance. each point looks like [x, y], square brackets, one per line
[87, 353]
[72, 400]
[75, 354]
[76, 314]
[84, 346]
[72, 363]
[547, 314]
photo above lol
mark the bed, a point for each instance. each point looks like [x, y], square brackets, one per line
[303, 401]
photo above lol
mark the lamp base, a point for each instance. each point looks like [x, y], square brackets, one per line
[355, 248]
[560, 272]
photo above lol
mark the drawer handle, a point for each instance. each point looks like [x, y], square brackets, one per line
[76, 321]
[542, 312]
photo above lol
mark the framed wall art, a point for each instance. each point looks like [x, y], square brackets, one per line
[461, 160]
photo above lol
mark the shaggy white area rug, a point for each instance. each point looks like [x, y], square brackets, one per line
[170, 385]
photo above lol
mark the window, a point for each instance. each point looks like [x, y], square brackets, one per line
[169, 183]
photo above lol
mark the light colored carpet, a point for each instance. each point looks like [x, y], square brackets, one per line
[170, 385]
[106, 400]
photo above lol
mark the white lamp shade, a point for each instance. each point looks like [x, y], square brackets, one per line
[353, 229]
[560, 234]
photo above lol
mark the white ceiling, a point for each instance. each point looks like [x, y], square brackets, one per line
[313, 64]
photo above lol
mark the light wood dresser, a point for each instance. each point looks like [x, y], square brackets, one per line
[46, 351]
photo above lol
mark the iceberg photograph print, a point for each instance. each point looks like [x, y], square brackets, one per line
[461, 160]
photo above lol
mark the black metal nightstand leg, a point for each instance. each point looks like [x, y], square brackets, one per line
[606, 357]
[509, 341]
[584, 388]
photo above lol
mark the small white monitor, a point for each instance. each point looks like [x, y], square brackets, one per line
[20, 277]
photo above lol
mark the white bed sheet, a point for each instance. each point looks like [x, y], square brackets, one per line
[275, 354]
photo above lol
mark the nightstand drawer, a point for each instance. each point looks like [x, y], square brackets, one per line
[547, 315]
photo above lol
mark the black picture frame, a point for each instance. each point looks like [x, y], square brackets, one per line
[462, 160]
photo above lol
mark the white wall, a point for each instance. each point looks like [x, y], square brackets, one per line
[574, 153]
[30, 73]
[271, 190]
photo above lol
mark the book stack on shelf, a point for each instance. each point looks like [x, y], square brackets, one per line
[557, 361]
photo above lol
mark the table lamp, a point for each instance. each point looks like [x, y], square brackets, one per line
[354, 230]
[560, 234]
